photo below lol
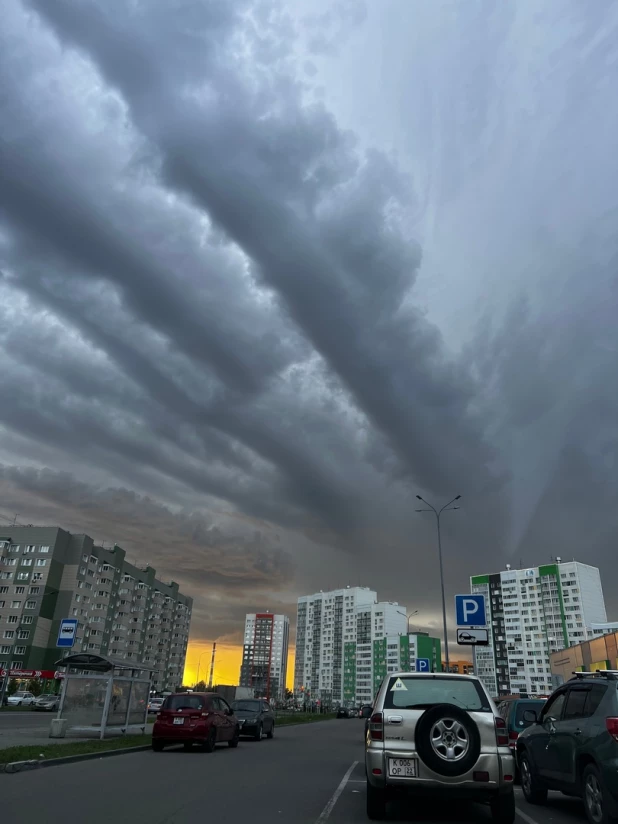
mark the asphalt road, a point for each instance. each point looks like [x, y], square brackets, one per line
[311, 774]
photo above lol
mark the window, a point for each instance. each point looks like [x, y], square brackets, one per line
[576, 702]
[2, 603]
[20, 590]
[43, 549]
[23, 634]
[41, 562]
[30, 605]
[27, 619]
[10, 561]
[23, 576]
[5, 649]
[20, 651]
[6, 576]
[15, 604]
[12, 619]
[34, 590]
[3, 590]
[9, 633]
[554, 706]
[423, 693]
[14, 548]
[26, 562]
[29, 548]
[38, 576]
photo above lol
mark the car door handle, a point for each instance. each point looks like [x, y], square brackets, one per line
[395, 719]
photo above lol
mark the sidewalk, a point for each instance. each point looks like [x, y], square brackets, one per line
[39, 736]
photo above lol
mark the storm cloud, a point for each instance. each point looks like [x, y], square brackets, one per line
[216, 294]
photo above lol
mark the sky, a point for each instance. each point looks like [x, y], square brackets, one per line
[269, 270]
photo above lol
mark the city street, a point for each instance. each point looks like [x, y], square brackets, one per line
[308, 774]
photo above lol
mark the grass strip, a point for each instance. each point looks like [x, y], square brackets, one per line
[31, 752]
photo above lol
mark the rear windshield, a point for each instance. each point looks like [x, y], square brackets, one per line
[421, 693]
[184, 702]
[246, 706]
[518, 721]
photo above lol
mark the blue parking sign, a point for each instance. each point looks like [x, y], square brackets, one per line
[470, 610]
[423, 665]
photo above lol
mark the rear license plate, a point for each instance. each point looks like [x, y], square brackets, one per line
[403, 767]
[179, 720]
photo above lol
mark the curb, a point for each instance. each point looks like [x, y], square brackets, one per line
[20, 766]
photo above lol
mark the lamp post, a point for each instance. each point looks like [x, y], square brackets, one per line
[199, 664]
[437, 513]
[411, 615]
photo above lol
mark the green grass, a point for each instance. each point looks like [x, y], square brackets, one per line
[32, 751]
[303, 718]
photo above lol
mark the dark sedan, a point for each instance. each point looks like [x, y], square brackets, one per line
[256, 717]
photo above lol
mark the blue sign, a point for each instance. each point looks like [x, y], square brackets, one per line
[423, 665]
[66, 633]
[470, 610]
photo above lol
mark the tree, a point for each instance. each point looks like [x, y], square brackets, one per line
[200, 686]
[12, 687]
[34, 686]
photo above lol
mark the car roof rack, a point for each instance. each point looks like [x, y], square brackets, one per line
[611, 675]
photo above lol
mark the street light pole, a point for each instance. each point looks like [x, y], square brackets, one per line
[411, 615]
[199, 664]
[437, 513]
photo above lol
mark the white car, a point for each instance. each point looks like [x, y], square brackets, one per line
[19, 699]
[155, 704]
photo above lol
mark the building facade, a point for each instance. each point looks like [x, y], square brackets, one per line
[124, 611]
[531, 614]
[599, 653]
[461, 667]
[265, 654]
[347, 642]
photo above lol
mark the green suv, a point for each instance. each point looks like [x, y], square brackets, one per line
[573, 745]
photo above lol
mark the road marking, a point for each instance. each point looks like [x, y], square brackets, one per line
[324, 815]
[528, 819]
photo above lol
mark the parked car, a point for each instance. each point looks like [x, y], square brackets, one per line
[256, 717]
[203, 718]
[343, 712]
[19, 699]
[48, 702]
[438, 733]
[155, 704]
[513, 709]
[572, 746]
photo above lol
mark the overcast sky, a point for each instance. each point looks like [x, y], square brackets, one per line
[271, 269]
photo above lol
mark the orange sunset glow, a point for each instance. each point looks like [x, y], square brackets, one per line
[227, 663]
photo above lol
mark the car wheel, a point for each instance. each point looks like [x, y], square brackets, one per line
[376, 803]
[503, 808]
[234, 742]
[533, 789]
[258, 733]
[271, 731]
[210, 743]
[594, 797]
[447, 740]
[157, 745]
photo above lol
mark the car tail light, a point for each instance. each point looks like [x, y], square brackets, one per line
[502, 738]
[513, 736]
[612, 727]
[376, 727]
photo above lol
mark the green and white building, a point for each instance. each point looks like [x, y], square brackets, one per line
[532, 613]
[124, 611]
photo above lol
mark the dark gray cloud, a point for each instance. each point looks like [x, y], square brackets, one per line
[209, 305]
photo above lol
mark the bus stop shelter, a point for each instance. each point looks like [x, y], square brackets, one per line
[104, 695]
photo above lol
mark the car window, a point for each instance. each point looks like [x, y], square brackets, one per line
[247, 706]
[596, 693]
[225, 707]
[419, 693]
[554, 706]
[266, 706]
[519, 723]
[575, 703]
[183, 702]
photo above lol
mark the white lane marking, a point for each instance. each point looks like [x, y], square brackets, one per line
[324, 815]
[528, 819]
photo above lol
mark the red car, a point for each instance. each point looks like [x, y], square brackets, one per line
[202, 718]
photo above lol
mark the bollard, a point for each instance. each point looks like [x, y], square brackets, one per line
[58, 728]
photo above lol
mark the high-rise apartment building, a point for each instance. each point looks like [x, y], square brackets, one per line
[265, 654]
[344, 644]
[532, 613]
[123, 611]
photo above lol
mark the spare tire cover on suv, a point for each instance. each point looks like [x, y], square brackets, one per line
[447, 740]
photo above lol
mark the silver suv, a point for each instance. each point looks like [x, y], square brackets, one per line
[438, 733]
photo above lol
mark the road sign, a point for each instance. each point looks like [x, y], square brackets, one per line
[474, 637]
[423, 665]
[470, 610]
[66, 633]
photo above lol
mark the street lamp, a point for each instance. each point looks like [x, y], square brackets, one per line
[411, 615]
[437, 513]
[199, 664]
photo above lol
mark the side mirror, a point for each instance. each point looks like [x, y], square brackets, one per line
[530, 716]
[229, 711]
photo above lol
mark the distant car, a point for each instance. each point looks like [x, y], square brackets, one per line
[572, 746]
[343, 712]
[203, 718]
[155, 704]
[48, 702]
[255, 717]
[513, 710]
[19, 699]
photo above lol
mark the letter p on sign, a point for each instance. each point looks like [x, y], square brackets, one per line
[470, 610]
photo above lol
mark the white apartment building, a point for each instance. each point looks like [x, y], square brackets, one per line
[123, 611]
[335, 638]
[532, 613]
[265, 654]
